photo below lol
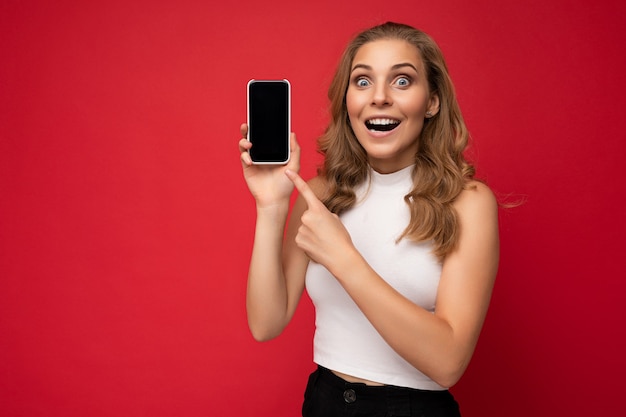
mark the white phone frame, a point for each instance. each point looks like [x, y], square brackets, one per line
[288, 118]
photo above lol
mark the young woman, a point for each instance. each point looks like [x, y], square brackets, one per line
[395, 240]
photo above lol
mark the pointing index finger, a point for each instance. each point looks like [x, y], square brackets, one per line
[303, 188]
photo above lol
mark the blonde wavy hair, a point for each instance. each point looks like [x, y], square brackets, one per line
[441, 171]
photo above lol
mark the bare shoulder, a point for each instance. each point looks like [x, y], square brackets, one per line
[475, 199]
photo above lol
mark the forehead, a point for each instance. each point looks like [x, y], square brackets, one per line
[385, 53]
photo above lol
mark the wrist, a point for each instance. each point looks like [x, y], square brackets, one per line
[350, 264]
[275, 209]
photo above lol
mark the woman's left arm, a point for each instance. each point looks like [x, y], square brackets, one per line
[441, 344]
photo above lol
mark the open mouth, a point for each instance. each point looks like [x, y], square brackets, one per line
[381, 125]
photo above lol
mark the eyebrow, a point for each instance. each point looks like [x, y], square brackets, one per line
[395, 67]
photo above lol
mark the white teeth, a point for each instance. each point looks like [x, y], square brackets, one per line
[382, 121]
[381, 124]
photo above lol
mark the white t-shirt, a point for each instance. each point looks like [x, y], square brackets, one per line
[345, 341]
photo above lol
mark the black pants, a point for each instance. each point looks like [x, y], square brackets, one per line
[328, 395]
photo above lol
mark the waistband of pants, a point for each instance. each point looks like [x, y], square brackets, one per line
[328, 378]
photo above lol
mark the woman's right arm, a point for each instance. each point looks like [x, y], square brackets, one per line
[277, 265]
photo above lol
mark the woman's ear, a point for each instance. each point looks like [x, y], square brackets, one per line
[433, 106]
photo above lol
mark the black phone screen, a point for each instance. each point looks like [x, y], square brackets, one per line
[269, 120]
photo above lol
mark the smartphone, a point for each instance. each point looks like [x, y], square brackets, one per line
[269, 121]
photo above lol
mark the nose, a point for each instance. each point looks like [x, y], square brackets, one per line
[381, 95]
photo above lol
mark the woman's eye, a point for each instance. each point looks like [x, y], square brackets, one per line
[362, 82]
[403, 81]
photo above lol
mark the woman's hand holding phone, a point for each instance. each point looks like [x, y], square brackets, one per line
[268, 183]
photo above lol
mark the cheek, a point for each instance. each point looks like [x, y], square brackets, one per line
[350, 103]
[414, 107]
[355, 102]
[415, 111]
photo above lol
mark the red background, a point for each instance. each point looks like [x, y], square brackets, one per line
[126, 226]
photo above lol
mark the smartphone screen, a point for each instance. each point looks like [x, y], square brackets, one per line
[269, 120]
